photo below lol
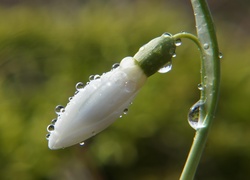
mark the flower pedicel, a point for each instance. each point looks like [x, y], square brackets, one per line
[105, 98]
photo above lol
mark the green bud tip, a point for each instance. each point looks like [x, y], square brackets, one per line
[156, 53]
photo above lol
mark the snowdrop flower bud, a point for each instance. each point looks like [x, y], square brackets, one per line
[98, 104]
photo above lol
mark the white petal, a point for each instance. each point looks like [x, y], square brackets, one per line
[97, 105]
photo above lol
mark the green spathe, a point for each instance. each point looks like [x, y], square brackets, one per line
[156, 53]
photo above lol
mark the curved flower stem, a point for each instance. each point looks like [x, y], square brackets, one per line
[188, 36]
[210, 79]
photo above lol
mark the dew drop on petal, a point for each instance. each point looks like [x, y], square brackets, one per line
[50, 128]
[58, 109]
[91, 77]
[53, 121]
[114, 66]
[81, 143]
[62, 110]
[97, 77]
[174, 55]
[47, 136]
[130, 86]
[194, 115]
[70, 98]
[178, 42]
[166, 68]
[76, 92]
[125, 111]
[79, 86]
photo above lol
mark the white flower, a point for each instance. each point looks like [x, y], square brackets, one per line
[97, 105]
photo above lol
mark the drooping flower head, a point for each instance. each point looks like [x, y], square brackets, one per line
[104, 98]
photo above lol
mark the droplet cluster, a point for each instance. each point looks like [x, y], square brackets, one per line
[168, 66]
[80, 86]
[59, 109]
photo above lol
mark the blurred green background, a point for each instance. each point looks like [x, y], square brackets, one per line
[46, 47]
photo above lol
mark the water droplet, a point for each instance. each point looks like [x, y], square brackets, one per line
[97, 77]
[116, 65]
[174, 55]
[194, 115]
[220, 55]
[91, 77]
[178, 42]
[59, 109]
[206, 46]
[130, 86]
[166, 34]
[76, 92]
[70, 98]
[47, 136]
[200, 87]
[120, 116]
[125, 111]
[50, 128]
[81, 144]
[53, 121]
[166, 68]
[79, 86]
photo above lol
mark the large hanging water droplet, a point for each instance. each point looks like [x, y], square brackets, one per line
[194, 115]
[50, 128]
[178, 42]
[79, 86]
[114, 66]
[166, 68]
[59, 109]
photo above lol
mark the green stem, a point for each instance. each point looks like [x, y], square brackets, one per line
[210, 79]
[188, 36]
